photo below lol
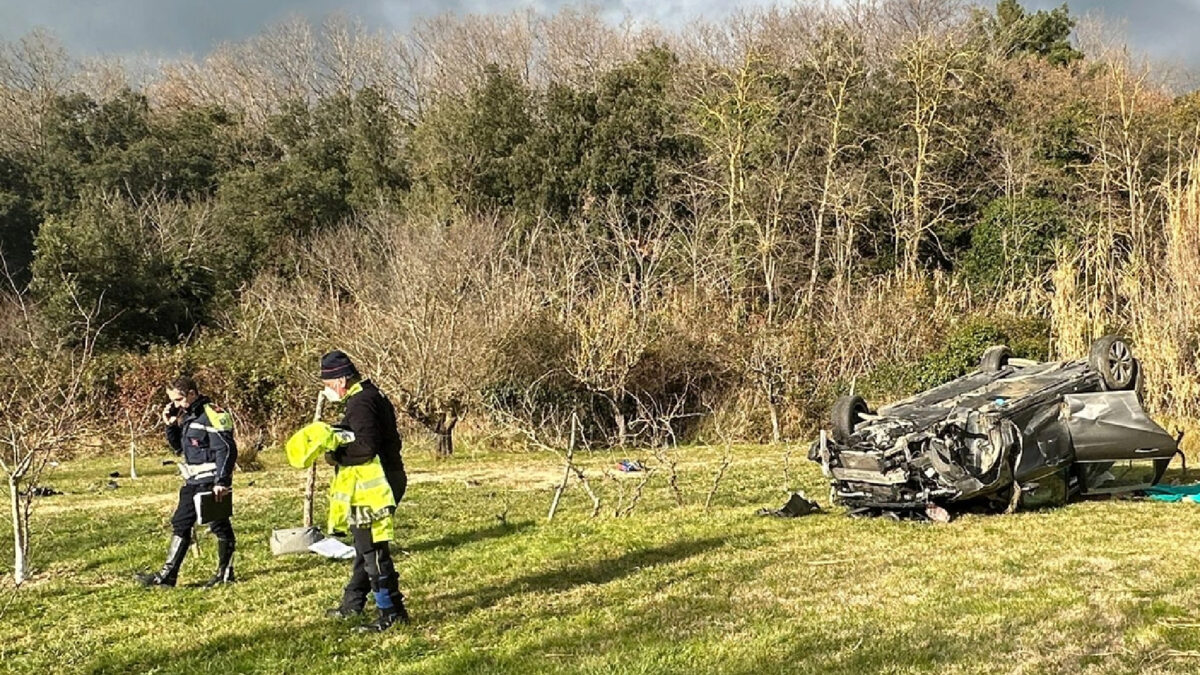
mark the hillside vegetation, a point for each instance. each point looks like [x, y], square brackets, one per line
[513, 220]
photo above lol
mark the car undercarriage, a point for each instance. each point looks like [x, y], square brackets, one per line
[1011, 434]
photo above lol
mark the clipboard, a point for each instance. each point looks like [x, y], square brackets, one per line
[208, 509]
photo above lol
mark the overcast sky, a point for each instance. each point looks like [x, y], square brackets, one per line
[1164, 28]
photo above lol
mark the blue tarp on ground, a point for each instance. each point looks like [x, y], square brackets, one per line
[1174, 493]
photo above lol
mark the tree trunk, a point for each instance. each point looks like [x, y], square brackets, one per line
[445, 443]
[562, 486]
[619, 418]
[775, 434]
[132, 447]
[20, 532]
[310, 487]
[310, 490]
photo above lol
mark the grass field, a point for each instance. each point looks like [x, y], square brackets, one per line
[1096, 587]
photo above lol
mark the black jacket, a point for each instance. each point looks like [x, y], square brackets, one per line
[372, 418]
[205, 440]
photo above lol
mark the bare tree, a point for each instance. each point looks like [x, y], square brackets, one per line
[735, 113]
[611, 337]
[575, 46]
[43, 408]
[837, 60]
[419, 306]
[453, 51]
[33, 70]
[932, 71]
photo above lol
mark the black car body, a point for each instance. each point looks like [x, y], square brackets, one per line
[1012, 433]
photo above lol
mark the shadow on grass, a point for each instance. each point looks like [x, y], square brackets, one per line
[289, 648]
[457, 539]
[251, 570]
[321, 642]
[560, 580]
[686, 635]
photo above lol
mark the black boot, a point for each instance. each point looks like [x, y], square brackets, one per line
[342, 613]
[166, 576]
[224, 573]
[401, 611]
[387, 616]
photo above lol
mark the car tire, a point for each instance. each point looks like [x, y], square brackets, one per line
[1112, 358]
[846, 414]
[995, 359]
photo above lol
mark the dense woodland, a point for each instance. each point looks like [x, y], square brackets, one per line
[516, 221]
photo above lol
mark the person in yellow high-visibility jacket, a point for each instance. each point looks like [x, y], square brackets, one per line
[369, 481]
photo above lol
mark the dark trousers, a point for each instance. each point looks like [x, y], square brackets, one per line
[373, 571]
[185, 515]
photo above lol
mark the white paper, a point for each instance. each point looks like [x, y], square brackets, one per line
[332, 548]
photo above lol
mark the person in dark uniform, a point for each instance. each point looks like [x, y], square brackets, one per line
[369, 482]
[202, 433]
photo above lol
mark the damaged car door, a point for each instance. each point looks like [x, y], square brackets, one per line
[1111, 426]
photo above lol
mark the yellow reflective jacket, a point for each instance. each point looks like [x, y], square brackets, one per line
[360, 496]
[312, 441]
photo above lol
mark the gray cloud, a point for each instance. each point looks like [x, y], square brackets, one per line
[175, 27]
[1163, 28]
[165, 27]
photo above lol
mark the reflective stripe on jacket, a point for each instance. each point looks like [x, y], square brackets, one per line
[205, 440]
[360, 496]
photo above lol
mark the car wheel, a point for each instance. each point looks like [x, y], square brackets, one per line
[846, 414]
[995, 359]
[1112, 358]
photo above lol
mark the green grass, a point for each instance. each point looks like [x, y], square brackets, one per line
[1098, 587]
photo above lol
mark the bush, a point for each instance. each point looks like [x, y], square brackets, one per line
[18, 220]
[528, 381]
[254, 379]
[1014, 242]
[140, 272]
[1027, 338]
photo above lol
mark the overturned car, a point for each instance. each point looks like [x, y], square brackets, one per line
[1013, 433]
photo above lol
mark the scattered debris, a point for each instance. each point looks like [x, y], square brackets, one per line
[471, 482]
[44, 491]
[630, 465]
[112, 485]
[797, 505]
[115, 474]
[936, 513]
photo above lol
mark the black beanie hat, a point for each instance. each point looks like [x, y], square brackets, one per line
[336, 364]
